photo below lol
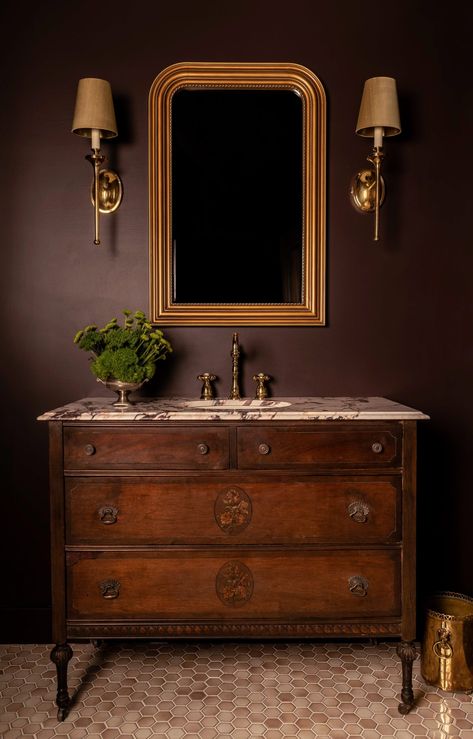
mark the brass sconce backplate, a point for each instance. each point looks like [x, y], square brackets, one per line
[110, 191]
[363, 191]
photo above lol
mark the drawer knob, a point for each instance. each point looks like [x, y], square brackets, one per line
[203, 448]
[89, 449]
[264, 449]
[358, 511]
[110, 589]
[108, 514]
[358, 585]
[377, 447]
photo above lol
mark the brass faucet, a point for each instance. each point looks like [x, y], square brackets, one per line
[207, 391]
[235, 354]
[261, 389]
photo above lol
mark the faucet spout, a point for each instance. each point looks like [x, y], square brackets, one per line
[235, 355]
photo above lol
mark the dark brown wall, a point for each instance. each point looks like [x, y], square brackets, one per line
[399, 312]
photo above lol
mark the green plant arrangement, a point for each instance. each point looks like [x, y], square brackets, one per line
[126, 353]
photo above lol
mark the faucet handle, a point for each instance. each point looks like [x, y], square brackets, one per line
[261, 389]
[207, 392]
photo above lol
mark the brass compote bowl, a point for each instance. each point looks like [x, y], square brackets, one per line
[123, 389]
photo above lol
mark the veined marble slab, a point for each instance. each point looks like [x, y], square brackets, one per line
[272, 409]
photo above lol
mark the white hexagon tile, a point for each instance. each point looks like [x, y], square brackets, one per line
[147, 690]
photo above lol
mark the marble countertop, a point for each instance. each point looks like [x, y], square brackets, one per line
[272, 409]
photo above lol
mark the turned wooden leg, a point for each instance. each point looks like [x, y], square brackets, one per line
[60, 655]
[407, 652]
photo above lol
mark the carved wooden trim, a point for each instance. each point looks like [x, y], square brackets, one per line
[233, 510]
[233, 629]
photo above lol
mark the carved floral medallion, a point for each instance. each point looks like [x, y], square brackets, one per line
[233, 510]
[234, 584]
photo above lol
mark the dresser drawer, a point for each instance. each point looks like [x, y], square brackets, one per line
[243, 509]
[234, 584]
[145, 448]
[330, 446]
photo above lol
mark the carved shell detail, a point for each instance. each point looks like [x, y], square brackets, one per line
[233, 510]
[234, 584]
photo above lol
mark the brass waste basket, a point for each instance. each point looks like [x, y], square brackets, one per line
[447, 647]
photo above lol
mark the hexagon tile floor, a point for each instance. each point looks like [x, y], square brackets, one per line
[239, 691]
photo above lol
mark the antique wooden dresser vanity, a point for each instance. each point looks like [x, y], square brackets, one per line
[286, 518]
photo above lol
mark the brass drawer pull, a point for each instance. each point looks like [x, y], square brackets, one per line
[358, 511]
[377, 447]
[358, 585]
[264, 449]
[108, 514]
[110, 589]
[89, 449]
[203, 448]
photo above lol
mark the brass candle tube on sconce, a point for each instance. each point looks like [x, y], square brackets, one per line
[378, 117]
[94, 117]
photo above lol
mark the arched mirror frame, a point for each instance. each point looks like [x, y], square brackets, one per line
[209, 75]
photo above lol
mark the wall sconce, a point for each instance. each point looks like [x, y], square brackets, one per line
[94, 116]
[378, 117]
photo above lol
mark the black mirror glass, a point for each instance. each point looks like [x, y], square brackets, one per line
[237, 205]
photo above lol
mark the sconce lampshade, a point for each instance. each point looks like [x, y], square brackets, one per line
[94, 109]
[379, 107]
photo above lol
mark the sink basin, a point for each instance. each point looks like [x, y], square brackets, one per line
[243, 404]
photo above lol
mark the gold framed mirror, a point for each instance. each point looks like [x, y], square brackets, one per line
[237, 195]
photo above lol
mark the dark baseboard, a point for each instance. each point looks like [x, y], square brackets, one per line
[25, 625]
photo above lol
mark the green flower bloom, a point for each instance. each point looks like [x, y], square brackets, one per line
[127, 353]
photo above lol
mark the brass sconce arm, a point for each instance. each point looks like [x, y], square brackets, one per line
[96, 160]
[106, 191]
[367, 190]
[376, 159]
